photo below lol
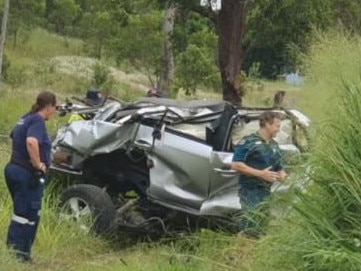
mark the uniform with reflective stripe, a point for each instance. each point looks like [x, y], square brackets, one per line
[27, 197]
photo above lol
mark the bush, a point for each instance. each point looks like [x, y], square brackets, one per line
[323, 230]
[102, 78]
[16, 76]
[101, 74]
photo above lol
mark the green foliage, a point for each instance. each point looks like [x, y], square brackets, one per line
[254, 70]
[101, 74]
[140, 43]
[322, 231]
[195, 47]
[41, 44]
[348, 14]
[16, 76]
[102, 78]
[12, 106]
[99, 27]
[277, 31]
[186, 29]
[5, 67]
[62, 15]
[44, 72]
[196, 68]
[101, 22]
[274, 26]
[24, 14]
[126, 91]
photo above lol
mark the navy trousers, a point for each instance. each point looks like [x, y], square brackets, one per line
[26, 193]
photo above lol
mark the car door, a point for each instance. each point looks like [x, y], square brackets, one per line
[179, 176]
[223, 188]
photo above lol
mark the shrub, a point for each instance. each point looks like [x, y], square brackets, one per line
[323, 230]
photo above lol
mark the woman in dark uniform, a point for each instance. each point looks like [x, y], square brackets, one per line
[25, 172]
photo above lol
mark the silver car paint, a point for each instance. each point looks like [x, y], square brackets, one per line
[187, 174]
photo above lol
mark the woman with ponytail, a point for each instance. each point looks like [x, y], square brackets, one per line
[26, 171]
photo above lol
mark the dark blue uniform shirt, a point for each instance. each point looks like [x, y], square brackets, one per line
[255, 152]
[30, 125]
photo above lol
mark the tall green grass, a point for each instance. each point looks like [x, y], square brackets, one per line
[323, 230]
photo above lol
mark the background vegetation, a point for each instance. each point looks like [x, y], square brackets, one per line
[322, 231]
[130, 35]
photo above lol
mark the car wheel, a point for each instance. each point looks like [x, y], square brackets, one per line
[89, 206]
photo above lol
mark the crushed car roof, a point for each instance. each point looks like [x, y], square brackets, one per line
[213, 105]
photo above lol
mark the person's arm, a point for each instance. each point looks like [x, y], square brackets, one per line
[32, 146]
[264, 174]
[34, 136]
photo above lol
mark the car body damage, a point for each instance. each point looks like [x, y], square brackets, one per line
[174, 155]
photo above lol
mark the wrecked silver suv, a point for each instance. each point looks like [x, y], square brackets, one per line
[160, 164]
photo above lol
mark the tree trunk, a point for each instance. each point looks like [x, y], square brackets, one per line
[49, 7]
[231, 21]
[167, 71]
[99, 50]
[15, 38]
[3, 34]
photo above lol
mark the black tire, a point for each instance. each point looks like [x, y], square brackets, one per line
[101, 208]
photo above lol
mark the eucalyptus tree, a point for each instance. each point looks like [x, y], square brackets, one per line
[167, 68]
[229, 20]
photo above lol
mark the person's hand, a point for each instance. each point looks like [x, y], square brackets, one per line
[282, 175]
[42, 167]
[268, 175]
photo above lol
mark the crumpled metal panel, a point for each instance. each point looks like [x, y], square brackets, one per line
[224, 203]
[223, 197]
[94, 137]
[181, 166]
